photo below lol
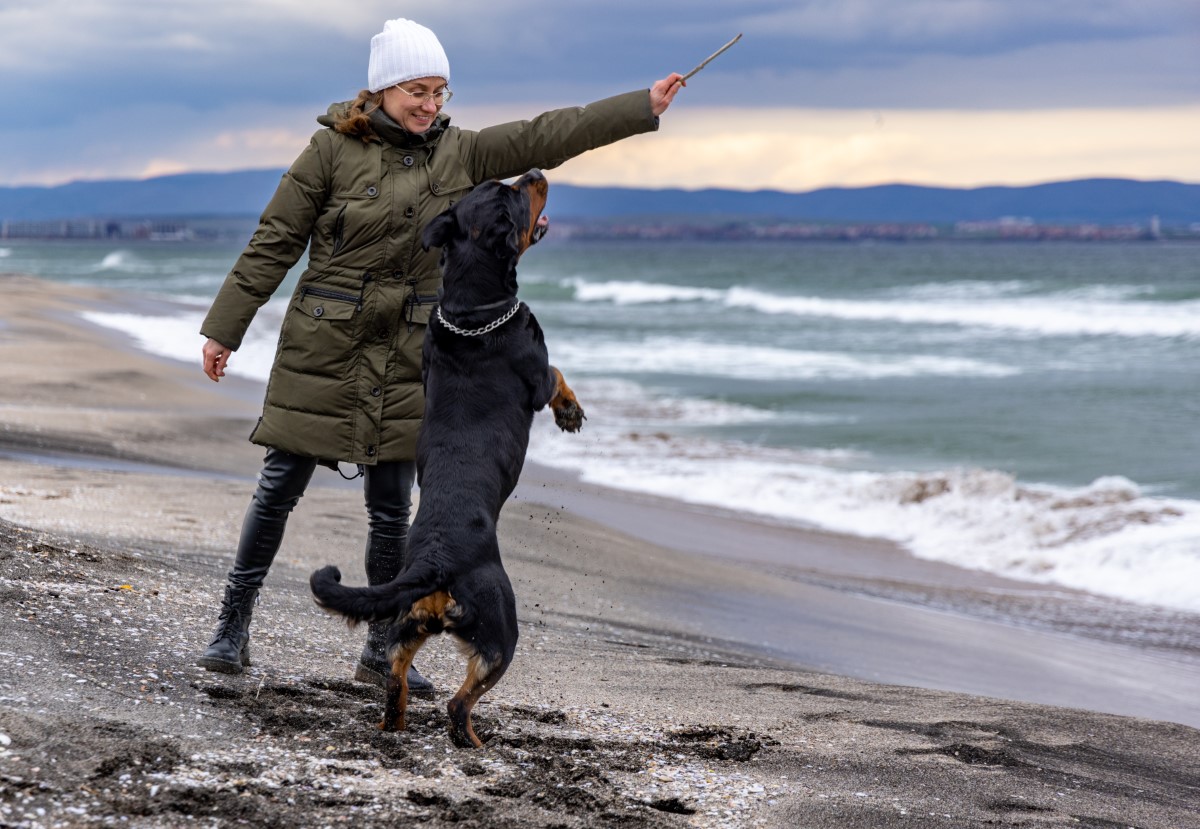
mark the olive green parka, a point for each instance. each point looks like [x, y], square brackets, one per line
[346, 381]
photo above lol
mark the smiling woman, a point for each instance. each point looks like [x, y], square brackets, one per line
[346, 384]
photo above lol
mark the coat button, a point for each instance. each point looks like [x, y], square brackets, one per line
[375, 392]
[318, 311]
[408, 160]
[436, 188]
[371, 451]
[372, 191]
[410, 211]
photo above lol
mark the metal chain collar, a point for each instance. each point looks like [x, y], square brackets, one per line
[491, 326]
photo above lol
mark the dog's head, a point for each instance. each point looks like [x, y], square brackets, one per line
[494, 219]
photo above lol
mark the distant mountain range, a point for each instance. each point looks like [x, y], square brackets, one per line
[245, 193]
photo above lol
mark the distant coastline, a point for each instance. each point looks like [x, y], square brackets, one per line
[199, 206]
[1001, 230]
[650, 228]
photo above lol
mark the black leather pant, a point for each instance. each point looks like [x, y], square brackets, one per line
[387, 490]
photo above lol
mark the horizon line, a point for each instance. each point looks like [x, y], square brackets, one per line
[680, 188]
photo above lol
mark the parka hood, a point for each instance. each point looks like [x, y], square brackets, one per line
[335, 112]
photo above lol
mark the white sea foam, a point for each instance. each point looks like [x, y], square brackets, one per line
[638, 293]
[1040, 316]
[1106, 538]
[672, 355]
[975, 290]
[1094, 311]
[117, 260]
[963, 289]
[177, 337]
[5, 252]
[640, 407]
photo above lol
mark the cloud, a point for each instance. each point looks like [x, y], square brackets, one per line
[207, 53]
[784, 149]
[103, 87]
[806, 149]
[139, 141]
[967, 26]
[1163, 70]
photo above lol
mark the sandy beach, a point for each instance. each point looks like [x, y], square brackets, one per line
[677, 666]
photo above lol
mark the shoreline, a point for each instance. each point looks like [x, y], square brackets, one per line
[810, 578]
[661, 679]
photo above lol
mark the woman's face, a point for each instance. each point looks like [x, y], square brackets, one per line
[409, 106]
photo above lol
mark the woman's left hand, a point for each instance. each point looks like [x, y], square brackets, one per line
[663, 92]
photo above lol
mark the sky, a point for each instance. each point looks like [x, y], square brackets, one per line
[818, 93]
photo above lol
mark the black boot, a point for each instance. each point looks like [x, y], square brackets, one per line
[388, 491]
[229, 651]
[282, 481]
[374, 668]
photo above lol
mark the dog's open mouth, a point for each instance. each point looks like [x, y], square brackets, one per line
[539, 229]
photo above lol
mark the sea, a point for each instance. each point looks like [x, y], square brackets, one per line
[1027, 409]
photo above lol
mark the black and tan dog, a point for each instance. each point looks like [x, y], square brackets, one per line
[486, 372]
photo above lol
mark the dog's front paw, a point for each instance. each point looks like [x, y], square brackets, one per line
[569, 415]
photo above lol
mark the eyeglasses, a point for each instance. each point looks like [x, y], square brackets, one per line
[440, 97]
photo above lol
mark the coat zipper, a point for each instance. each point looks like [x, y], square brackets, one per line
[325, 293]
[338, 231]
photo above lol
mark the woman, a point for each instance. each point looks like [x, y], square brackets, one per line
[346, 383]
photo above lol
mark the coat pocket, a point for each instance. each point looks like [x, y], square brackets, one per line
[320, 336]
[445, 190]
[418, 308]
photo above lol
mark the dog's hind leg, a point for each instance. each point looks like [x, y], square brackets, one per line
[397, 684]
[426, 618]
[482, 675]
[568, 414]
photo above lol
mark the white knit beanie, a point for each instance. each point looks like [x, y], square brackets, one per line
[403, 51]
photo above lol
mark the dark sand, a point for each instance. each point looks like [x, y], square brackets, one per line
[677, 667]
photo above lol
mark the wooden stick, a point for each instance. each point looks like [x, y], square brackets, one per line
[710, 58]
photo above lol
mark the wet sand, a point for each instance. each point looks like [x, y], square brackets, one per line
[677, 666]
[867, 609]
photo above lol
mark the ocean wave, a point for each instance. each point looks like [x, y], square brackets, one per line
[1060, 315]
[1107, 538]
[975, 290]
[1086, 311]
[667, 355]
[639, 293]
[5, 253]
[177, 336]
[638, 405]
[124, 261]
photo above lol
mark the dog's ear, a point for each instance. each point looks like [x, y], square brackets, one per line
[440, 231]
[502, 237]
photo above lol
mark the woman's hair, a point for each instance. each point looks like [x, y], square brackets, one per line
[356, 120]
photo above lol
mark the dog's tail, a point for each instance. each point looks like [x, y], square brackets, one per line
[382, 602]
